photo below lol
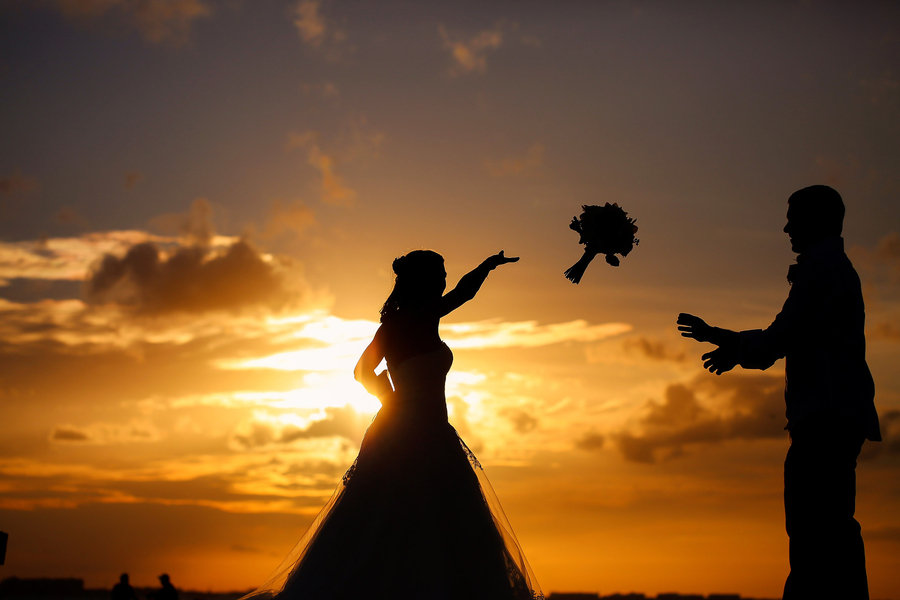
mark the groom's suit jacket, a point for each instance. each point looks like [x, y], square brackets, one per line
[820, 333]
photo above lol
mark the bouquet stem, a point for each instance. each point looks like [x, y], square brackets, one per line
[575, 272]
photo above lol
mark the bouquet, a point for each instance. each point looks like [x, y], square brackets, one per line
[605, 230]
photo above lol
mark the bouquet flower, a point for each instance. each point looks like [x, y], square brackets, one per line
[605, 230]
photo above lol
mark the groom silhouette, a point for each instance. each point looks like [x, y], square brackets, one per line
[829, 396]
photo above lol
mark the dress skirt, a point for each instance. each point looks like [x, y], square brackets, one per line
[414, 518]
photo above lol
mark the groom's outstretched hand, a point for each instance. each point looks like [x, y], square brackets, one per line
[720, 360]
[694, 327]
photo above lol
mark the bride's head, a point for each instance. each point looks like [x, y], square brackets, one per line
[420, 281]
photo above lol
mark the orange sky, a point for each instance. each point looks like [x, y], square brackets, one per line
[200, 201]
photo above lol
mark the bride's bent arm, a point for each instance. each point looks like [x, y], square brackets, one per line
[471, 282]
[378, 385]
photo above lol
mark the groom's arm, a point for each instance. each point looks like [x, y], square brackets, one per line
[760, 348]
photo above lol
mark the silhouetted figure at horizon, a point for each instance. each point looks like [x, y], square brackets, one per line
[123, 589]
[829, 396]
[414, 516]
[167, 590]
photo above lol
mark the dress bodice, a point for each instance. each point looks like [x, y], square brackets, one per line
[419, 382]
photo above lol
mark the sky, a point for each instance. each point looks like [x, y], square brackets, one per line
[200, 201]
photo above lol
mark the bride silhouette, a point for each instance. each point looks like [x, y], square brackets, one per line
[414, 517]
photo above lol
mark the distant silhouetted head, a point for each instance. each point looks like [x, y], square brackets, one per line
[123, 578]
[815, 213]
[164, 578]
[420, 280]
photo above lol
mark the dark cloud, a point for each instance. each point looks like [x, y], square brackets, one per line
[654, 349]
[17, 183]
[522, 421]
[192, 279]
[890, 434]
[67, 215]
[889, 247]
[888, 533]
[132, 178]
[746, 407]
[591, 441]
[881, 264]
[884, 330]
[339, 422]
[68, 434]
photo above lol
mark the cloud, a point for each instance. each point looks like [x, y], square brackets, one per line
[316, 30]
[327, 90]
[890, 434]
[67, 215]
[591, 441]
[333, 190]
[68, 434]
[190, 279]
[132, 178]
[526, 334]
[522, 421]
[889, 247]
[289, 217]
[470, 55]
[106, 433]
[532, 160]
[195, 227]
[654, 349]
[882, 89]
[264, 431]
[884, 330]
[736, 407]
[158, 21]
[17, 184]
[309, 22]
[65, 258]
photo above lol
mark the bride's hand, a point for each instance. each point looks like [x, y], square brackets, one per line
[384, 390]
[492, 262]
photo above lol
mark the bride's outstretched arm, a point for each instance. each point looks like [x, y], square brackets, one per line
[471, 282]
[378, 385]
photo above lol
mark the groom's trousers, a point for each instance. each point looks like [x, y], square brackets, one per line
[826, 547]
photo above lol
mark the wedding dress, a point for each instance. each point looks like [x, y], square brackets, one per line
[414, 517]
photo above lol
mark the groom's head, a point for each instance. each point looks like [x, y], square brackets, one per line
[815, 213]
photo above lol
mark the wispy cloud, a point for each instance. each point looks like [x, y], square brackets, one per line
[158, 21]
[333, 190]
[309, 22]
[132, 179]
[327, 90]
[288, 217]
[17, 183]
[527, 334]
[532, 160]
[654, 349]
[134, 431]
[66, 258]
[194, 227]
[469, 54]
[316, 30]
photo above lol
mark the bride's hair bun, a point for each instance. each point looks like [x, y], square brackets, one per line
[400, 264]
